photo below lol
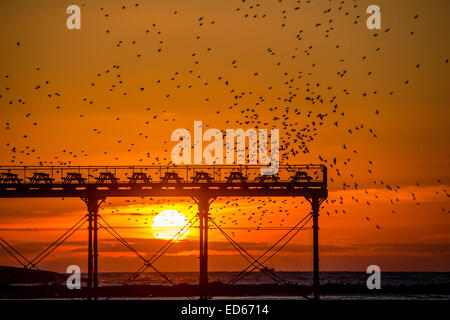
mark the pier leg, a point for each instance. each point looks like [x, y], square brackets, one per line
[93, 204]
[316, 281]
[95, 252]
[203, 206]
[90, 260]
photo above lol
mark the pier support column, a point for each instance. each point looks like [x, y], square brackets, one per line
[203, 212]
[315, 203]
[93, 204]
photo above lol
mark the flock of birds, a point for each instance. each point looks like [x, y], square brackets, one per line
[303, 108]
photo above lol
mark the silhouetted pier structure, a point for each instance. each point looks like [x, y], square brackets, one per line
[93, 184]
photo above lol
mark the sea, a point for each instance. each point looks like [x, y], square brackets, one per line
[405, 285]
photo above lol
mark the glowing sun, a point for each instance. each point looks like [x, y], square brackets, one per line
[167, 223]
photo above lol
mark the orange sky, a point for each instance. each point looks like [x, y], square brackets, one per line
[287, 58]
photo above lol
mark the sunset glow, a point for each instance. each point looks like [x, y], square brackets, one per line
[168, 223]
[370, 105]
